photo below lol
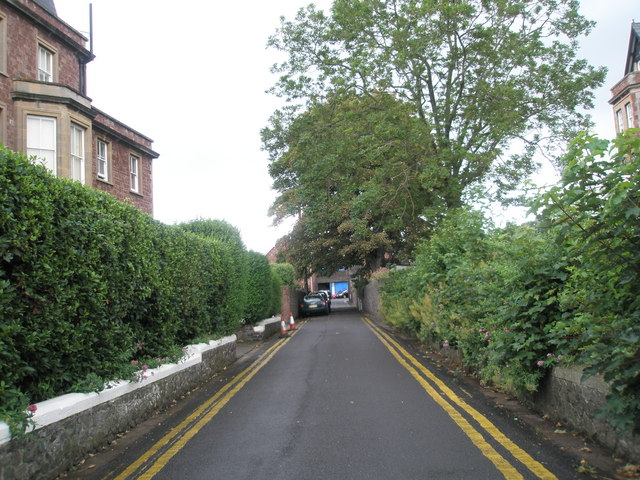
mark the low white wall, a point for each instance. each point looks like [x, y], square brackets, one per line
[59, 408]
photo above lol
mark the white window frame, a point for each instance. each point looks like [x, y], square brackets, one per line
[35, 149]
[3, 44]
[619, 120]
[45, 63]
[76, 153]
[102, 152]
[629, 113]
[134, 173]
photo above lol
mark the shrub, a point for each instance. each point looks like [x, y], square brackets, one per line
[227, 237]
[88, 283]
[285, 272]
[492, 293]
[260, 288]
[596, 215]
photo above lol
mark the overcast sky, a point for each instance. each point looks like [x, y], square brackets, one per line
[192, 76]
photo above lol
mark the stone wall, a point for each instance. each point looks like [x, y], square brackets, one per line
[56, 447]
[566, 398]
[261, 331]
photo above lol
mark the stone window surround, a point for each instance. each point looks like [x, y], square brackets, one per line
[54, 59]
[64, 118]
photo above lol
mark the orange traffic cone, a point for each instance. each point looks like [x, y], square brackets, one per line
[292, 323]
[283, 329]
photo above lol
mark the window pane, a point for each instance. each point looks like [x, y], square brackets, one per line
[45, 65]
[41, 140]
[77, 153]
[102, 159]
[76, 169]
[134, 173]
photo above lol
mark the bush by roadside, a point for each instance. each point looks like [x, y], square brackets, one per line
[89, 285]
[565, 288]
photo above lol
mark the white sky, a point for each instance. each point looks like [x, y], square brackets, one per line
[192, 76]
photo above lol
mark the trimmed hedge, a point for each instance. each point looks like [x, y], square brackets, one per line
[226, 234]
[285, 272]
[88, 283]
[261, 289]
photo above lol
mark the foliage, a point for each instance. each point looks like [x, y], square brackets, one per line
[411, 103]
[596, 212]
[227, 237]
[355, 168]
[260, 301]
[524, 298]
[492, 293]
[285, 272]
[88, 284]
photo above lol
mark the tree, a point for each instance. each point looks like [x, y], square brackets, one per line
[470, 76]
[355, 169]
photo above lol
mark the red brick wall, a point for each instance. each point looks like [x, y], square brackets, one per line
[22, 48]
[119, 184]
[23, 35]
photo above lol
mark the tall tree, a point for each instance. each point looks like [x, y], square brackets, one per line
[473, 75]
[354, 169]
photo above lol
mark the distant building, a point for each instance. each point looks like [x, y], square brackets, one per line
[336, 282]
[45, 111]
[625, 95]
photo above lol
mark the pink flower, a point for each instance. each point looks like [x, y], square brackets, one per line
[560, 357]
[32, 408]
[540, 363]
[549, 355]
[139, 345]
[145, 368]
[134, 362]
[445, 344]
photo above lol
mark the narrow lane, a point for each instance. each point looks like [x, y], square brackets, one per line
[340, 399]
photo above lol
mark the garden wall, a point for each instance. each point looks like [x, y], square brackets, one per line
[566, 398]
[71, 426]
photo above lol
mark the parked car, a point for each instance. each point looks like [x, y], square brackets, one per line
[327, 295]
[314, 303]
[342, 294]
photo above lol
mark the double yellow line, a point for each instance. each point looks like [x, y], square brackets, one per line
[154, 459]
[456, 408]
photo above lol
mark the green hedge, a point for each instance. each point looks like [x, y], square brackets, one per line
[226, 234]
[261, 289]
[285, 272]
[88, 283]
[521, 299]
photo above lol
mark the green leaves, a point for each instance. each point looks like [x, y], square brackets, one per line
[88, 283]
[596, 208]
[396, 109]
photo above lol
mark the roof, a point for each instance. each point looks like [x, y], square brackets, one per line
[633, 53]
[48, 5]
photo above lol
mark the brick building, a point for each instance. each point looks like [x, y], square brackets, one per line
[625, 95]
[45, 110]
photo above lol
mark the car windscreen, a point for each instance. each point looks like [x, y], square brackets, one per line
[313, 299]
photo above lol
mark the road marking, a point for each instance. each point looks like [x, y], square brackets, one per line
[505, 468]
[154, 459]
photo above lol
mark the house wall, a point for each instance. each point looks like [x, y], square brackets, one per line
[23, 26]
[626, 91]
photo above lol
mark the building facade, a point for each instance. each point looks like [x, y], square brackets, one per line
[625, 95]
[45, 111]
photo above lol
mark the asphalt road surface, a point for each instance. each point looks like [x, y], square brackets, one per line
[339, 399]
